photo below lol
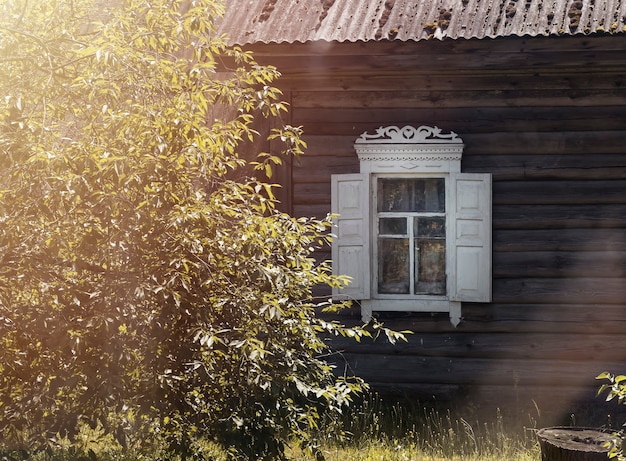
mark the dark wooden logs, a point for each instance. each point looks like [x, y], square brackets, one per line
[538, 115]
[573, 444]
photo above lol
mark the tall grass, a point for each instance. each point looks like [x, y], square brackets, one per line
[404, 430]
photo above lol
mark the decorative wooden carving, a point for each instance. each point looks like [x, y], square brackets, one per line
[409, 135]
[408, 148]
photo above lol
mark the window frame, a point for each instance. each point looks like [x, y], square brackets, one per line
[422, 152]
[375, 233]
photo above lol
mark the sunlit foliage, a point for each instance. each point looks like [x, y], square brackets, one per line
[615, 389]
[149, 288]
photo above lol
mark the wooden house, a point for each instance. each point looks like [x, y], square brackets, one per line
[529, 94]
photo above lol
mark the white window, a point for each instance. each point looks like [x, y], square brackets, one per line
[413, 232]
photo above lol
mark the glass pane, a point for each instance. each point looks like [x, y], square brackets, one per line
[430, 270]
[393, 266]
[430, 195]
[392, 226]
[394, 194]
[413, 195]
[430, 227]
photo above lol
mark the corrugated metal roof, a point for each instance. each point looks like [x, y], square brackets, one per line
[266, 21]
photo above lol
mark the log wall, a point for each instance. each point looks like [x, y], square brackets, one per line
[547, 118]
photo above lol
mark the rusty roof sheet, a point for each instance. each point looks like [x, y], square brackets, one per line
[276, 21]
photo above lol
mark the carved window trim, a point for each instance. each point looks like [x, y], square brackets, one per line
[422, 152]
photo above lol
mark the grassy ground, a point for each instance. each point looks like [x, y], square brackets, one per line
[403, 431]
[372, 450]
[382, 431]
[383, 452]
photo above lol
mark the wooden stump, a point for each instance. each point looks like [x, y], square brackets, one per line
[573, 444]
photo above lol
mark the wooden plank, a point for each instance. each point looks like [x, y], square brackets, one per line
[324, 122]
[568, 239]
[584, 319]
[461, 97]
[473, 371]
[560, 290]
[443, 79]
[522, 79]
[552, 264]
[476, 119]
[328, 145]
[410, 58]
[510, 345]
[313, 168]
[541, 192]
[312, 193]
[549, 165]
[559, 216]
[584, 142]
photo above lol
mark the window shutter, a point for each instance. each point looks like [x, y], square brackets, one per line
[350, 247]
[471, 237]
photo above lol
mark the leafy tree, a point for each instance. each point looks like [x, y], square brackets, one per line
[148, 285]
[615, 389]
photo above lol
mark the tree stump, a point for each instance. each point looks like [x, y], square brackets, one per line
[574, 444]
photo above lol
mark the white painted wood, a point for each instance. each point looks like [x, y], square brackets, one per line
[367, 310]
[350, 247]
[421, 304]
[407, 149]
[470, 258]
[455, 313]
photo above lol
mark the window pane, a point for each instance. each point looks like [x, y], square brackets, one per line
[394, 194]
[430, 227]
[392, 226]
[393, 266]
[430, 195]
[430, 270]
[413, 195]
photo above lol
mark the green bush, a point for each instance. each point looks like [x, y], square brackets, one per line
[148, 285]
[615, 389]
